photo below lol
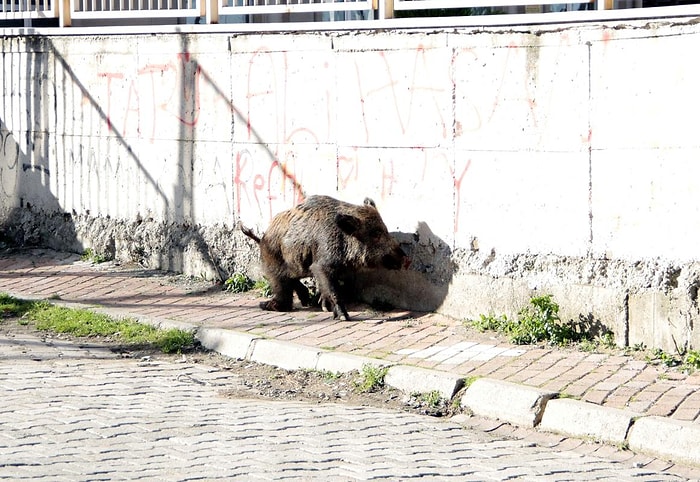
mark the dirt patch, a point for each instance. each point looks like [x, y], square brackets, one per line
[263, 381]
[258, 381]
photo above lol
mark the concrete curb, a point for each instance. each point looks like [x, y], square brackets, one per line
[229, 343]
[586, 420]
[667, 438]
[344, 362]
[421, 380]
[517, 404]
[286, 355]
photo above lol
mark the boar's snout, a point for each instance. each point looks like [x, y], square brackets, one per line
[397, 259]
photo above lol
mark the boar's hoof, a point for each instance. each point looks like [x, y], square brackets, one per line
[274, 305]
[341, 314]
[325, 303]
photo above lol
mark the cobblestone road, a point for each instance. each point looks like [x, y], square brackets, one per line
[76, 412]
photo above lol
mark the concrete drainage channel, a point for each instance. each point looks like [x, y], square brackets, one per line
[510, 402]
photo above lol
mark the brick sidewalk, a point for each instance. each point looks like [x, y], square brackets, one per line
[421, 339]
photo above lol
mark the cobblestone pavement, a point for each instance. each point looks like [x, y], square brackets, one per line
[78, 412]
[424, 340]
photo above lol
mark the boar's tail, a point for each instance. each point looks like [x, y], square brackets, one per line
[249, 232]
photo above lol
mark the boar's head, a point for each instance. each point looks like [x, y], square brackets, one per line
[370, 243]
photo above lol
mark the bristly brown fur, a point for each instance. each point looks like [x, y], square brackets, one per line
[249, 232]
[327, 239]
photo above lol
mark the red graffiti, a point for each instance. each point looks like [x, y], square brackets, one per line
[390, 102]
[109, 76]
[170, 89]
[404, 89]
[348, 169]
[458, 191]
[260, 87]
[387, 178]
[265, 187]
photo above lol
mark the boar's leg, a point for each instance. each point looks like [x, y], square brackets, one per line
[325, 303]
[282, 293]
[302, 292]
[328, 287]
[283, 302]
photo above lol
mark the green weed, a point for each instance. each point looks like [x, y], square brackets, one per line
[432, 399]
[658, 356]
[469, 380]
[94, 257]
[174, 340]
[491, 323]
[606, 341]
[371, 378]
[238, 283]
[692, 359]
[569, 396]
[686, 360]
[263, 286]
[330, 376]
[539, 321]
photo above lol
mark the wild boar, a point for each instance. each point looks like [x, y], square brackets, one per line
[327, 239]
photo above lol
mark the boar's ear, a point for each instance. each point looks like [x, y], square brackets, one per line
[347, 223]
[370, 202]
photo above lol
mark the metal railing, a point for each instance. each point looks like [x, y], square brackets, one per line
[126, 12]
[483, 6]
[27, 9]
[247, 7]
[130, 8]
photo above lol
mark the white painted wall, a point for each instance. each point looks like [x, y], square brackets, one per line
[573, 142]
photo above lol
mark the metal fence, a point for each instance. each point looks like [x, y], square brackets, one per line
[247, 7]
[127, 8]
[129, 12]
[27, 9]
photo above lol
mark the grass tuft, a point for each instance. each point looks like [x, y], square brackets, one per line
[10, 306]
[94, 257]
[86, 323]
[371, 378]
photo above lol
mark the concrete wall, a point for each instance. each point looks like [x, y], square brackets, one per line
[508, 162]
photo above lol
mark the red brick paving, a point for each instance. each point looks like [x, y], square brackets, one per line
[615, 380]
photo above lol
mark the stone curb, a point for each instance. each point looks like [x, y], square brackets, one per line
[422, 380]
[229, 343]
[345, 362]
[667, 438]
[283, 354]
[517, 404]
[587, 420]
